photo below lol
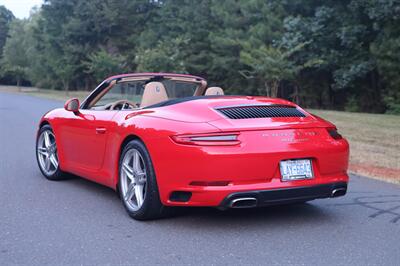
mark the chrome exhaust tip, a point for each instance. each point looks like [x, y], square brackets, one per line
[248, 202]
[337, 192]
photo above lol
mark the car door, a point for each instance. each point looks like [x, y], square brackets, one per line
[84, 134]
[84, 138]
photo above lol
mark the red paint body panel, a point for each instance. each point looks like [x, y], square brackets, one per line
[89, 145]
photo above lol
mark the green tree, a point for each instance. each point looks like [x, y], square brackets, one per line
[386, 50]
[272, 65]
[102, 64]
[322, 53]
[185, 23]
[6, 17]
[165, 57]
[257, 22]
[341, 34]
[14, 59]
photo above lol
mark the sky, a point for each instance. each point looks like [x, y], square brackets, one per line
[20, 8]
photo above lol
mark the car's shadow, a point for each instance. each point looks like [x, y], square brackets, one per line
[280, 215]
[210, 217]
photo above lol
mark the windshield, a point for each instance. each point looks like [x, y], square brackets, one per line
[129, 94]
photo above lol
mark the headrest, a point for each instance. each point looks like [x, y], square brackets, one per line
[214, 91]
[154, 92]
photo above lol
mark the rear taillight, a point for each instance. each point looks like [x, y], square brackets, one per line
[334, 133]
[217, 139]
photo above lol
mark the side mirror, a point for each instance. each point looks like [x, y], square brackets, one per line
[72, 105]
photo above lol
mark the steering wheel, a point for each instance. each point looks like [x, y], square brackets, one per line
[125, 104]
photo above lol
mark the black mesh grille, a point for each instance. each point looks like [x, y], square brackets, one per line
[260, 111]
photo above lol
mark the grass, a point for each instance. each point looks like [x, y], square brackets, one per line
[374, 138]
[49, 94]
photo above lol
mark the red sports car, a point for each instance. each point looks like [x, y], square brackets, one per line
[164, 140]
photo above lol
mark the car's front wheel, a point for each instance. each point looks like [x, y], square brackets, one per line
[137, 183]
[46, 154]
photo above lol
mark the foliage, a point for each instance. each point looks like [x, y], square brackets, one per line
[272, 65]
[14, 60]
[164, 57]
[103, 64]
[320, 53]
[352, 104]
[341, 34]
[6, 17]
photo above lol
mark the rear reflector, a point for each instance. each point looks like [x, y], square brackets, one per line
[212, 183]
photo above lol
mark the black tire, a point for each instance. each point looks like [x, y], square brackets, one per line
[58, 174]
[152, 208]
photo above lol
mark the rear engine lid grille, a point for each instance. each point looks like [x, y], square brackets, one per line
[259, 111]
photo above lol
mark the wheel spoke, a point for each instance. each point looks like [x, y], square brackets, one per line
[47, 163]
[54, 161]
[47, 142]
[136, 163]
[139, 194]
[128, 171]
[130, 191]
[54, 146]
[42, 151]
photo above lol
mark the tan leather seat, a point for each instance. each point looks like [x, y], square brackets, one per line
[214, 91]
[154, 92]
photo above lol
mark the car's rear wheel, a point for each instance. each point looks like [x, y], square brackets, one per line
[137, 183]
[46, 154]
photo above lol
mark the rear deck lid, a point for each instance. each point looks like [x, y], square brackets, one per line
[240, 113]
[264, 115]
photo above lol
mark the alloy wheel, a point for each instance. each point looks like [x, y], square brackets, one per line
[133, 179]
[47, 152]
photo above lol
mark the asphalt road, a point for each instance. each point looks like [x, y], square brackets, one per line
[78, 222]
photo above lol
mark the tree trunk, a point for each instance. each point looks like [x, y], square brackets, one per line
[66, 87]
[19, 84]
[275, 88]
[375, 102]
[267, 89]
[87, 84]
[331, 100]
[296, 96]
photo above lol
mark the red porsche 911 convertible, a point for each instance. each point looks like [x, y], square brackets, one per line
[165, 140]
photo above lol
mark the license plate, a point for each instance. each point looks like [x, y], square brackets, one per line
[296, 169]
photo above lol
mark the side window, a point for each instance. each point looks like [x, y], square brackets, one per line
[125, 91]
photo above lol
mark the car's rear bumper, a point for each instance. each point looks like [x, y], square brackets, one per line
[265, 193]
[283, 195]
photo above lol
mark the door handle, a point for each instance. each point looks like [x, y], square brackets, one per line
[101, 130]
